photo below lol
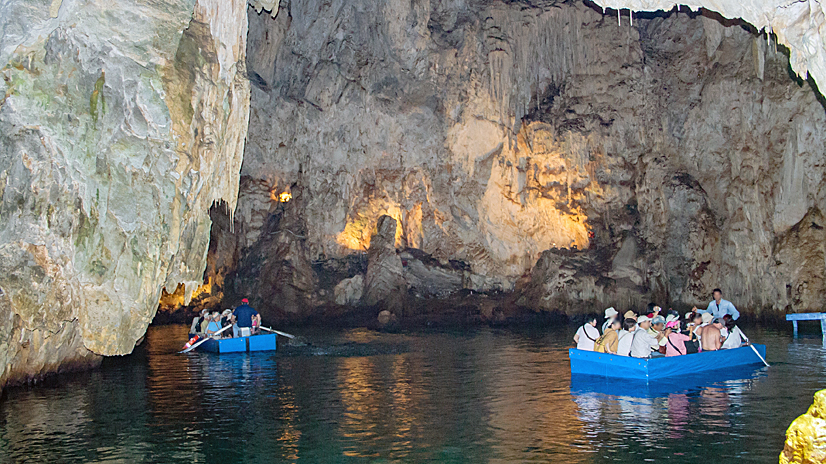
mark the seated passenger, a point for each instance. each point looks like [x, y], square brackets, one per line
[735, 337]
[607, 343]
[214, 325]
[205, 320]
[610, 315]
[712, 339]
[658, 327]
[587, 334]
[226, 320]
[196, 323]
[676, 345]
[626, 336]
[644, 343]
[693, 322]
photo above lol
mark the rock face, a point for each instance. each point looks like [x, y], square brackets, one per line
[806, 437]
[120, 124]
[532, 148]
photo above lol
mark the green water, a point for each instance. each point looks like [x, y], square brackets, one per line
[360, 396]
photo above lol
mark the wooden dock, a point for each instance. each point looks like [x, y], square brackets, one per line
[808, 317]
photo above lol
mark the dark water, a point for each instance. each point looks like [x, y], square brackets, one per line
[360, 396]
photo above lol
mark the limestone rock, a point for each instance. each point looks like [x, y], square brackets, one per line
[660, 160]
[384, 282]
[806, 436]
[120, 124]
[348, 291]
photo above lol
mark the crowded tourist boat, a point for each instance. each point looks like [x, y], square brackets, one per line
[654, 346]
[232, 331]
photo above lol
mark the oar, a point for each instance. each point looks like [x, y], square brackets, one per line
[277, 332]
[204, 340]
[754, 349]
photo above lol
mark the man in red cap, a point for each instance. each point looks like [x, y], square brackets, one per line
[244, 315]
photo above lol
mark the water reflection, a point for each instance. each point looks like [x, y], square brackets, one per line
[361, 396]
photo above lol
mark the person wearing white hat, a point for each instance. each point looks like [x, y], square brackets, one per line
[610, 315]
[644, 343]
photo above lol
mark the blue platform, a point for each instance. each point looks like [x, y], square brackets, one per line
[263, 342]
[809, 317]
[624, 367]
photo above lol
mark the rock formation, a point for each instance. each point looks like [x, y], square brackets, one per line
[533, 148]
[120, 124]
[806, 436]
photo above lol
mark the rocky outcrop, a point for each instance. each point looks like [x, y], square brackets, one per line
[538, 149]
[384, 282]
[120, 124]
[806, 437]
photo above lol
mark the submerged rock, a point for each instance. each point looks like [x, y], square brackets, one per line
[806, 436]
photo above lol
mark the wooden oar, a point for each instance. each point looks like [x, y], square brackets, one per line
[204, 340]
[277, 332]
[754, 349]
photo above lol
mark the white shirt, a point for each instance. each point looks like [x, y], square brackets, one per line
[643, 343]
[624, 345]
[734, 339]
[588, 334]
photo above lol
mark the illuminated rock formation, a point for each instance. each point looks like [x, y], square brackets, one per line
[806, 436]
[658, 161]
[120, 124]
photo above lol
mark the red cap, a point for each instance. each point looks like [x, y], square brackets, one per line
[245, 300]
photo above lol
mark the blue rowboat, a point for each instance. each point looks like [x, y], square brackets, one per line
[623, 367]
[261, 342]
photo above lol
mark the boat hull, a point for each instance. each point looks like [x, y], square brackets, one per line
[611, 365]
[261, 342]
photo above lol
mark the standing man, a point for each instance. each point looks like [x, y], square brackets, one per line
[720, 307]
[244, 316]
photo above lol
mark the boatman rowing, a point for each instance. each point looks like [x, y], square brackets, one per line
[245, 319]
[719, 307]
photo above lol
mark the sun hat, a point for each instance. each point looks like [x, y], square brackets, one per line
[671, 318]
[610, 312]
[630, 315]
[658, 320]
[707, 318]
[642, 319]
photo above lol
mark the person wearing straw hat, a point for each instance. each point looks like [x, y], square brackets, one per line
[610, 315]
[630, 315]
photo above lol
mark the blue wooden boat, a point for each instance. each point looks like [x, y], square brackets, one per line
[260, 342]
[611, 365]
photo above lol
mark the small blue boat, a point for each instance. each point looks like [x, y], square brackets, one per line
[611, 365]
[261, 342]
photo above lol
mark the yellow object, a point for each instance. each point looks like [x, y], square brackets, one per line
[806, 437]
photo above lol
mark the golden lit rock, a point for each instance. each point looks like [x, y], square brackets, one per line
[806, 437]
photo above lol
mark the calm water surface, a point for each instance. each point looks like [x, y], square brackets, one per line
[361, 396]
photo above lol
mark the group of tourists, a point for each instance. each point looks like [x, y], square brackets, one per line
[245, 321]
[641, 336]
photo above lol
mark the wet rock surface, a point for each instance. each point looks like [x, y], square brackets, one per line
[543, 152]
[806, 437]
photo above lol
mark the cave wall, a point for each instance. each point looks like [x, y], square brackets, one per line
[120, 124]
[535, 147]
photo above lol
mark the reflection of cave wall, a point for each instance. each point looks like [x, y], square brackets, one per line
[657, 161]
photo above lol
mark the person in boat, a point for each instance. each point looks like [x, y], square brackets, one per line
[587, 334]
[735, 337]
[676, 341]
[226, 319]
[653, 310]
[693, 323]
[626, 336]
[205, 320]
[644, 343]
[712, 337]
[244, 316]
[214, 324]
[610, 316]
[718, 307]
[607, 343]
[657, 328]
[196, 322]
